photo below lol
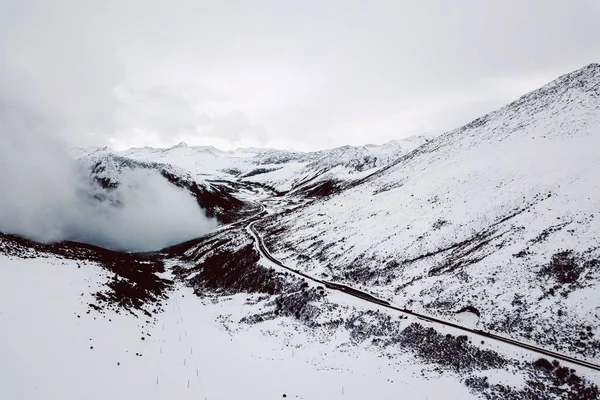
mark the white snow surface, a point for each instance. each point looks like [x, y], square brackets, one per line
[46, 339]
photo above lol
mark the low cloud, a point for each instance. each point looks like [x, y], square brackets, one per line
[297, 74]
[47, 196]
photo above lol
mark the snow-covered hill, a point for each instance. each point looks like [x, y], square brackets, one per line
[500, 215]
[83, 322]
[281, 170]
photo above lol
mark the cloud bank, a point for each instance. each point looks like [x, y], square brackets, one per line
[299, 75]
[47, 196]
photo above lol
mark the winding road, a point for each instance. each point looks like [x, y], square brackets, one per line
[366, 297]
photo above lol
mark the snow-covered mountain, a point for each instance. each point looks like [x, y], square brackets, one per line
[461, 266]
[500, 215]
[284, 171]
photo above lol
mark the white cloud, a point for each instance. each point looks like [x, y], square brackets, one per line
[47, 196]
[306, 74]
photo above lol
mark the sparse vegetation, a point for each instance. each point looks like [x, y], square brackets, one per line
[545, 380]
[134, 284]
[563, 267]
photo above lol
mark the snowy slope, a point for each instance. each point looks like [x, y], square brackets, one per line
[47, 352]
[500, 215]
[58, 340]
[231, 340]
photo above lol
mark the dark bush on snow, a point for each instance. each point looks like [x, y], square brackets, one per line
[447, 350]
[563, 267]
[235, 272]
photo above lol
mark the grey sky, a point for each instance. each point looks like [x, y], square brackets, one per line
[293, 74]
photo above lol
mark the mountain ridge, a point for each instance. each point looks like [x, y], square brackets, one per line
[430, 229]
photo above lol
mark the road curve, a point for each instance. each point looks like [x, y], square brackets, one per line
[383, 303]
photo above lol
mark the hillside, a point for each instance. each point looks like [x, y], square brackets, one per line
[500, 215]
[187, 321]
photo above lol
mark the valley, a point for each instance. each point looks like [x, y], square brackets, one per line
[460, 266]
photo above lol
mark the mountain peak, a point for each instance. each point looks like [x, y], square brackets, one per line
[585, 78]
[581, 82]
[180, 144]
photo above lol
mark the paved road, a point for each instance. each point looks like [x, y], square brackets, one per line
[383, 303]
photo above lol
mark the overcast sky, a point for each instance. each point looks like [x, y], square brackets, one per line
[291, 74]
